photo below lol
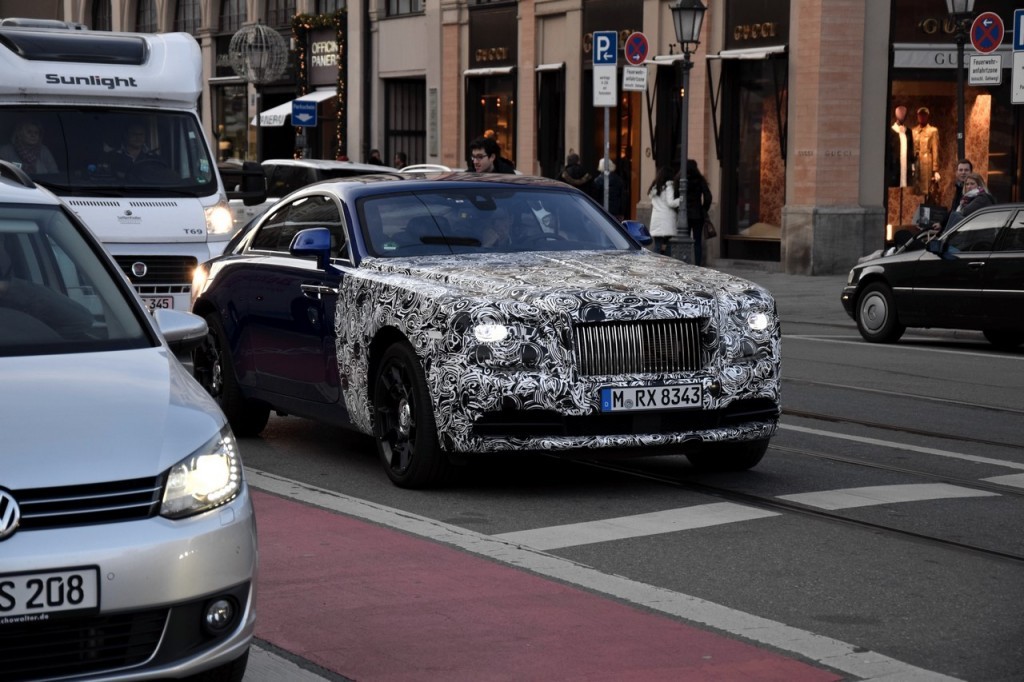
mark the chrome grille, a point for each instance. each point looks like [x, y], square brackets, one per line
[639, 347]
[98, 503]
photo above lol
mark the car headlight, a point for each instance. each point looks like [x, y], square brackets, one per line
[200, 277]
[490, 333]
[209, 477]
[219, 221]
[752, 331]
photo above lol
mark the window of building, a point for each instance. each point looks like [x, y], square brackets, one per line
[101, 15]
[187, 16]
[329, 6]
[400, 7]
[406, 105]
[280, 12]
[145, 16]
[232, 15]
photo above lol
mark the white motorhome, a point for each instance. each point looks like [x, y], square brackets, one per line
[108, 122]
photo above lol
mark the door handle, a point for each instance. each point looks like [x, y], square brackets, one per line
[976, 264]
[317, 291]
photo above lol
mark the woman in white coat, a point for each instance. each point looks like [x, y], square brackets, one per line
[664, 204]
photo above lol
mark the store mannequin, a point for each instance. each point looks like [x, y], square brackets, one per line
[926, 143]
[901, 151]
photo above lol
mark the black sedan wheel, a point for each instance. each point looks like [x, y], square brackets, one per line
[403, 425]
[728, 456]
[877, 320]
[216, 372]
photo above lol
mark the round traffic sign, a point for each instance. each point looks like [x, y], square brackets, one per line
[987, 32]
[636, 48]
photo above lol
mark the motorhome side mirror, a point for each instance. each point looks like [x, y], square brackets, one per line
[250, 184]
[638, 231]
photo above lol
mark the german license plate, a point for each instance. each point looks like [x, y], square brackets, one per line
[154, 302]
[24, 595]
[637, 398]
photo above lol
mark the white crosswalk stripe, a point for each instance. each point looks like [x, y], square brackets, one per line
[639, 525]
[883, 494]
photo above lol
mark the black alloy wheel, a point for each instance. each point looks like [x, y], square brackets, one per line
[404, 428]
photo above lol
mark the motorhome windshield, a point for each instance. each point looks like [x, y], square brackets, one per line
[102, 151]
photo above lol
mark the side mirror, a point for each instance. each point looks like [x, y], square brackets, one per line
[313, 241]
[184, 332]
[252, 185]
[638, 231]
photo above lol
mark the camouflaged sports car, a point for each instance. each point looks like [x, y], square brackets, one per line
[464, 314]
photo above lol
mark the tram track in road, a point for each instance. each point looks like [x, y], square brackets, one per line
[899, 428]
[781, 505]
[911, 396]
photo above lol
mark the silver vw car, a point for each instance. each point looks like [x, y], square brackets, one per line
[127, 537]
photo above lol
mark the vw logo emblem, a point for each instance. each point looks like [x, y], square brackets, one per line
[10, 515]
[139, 269]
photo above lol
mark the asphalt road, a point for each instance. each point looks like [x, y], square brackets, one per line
[879, 538]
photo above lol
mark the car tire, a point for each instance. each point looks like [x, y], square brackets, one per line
[1004, 339]
[729, 456]
[232, 671]
[877, 319]
[404, 428]
[216, 372]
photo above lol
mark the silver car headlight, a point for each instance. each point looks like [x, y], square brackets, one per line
[209, 477]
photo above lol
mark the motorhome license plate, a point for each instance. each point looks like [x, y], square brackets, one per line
[635, 398]
[154, 302]
[42, 593]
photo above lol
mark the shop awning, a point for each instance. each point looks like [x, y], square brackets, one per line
[556, 66]
[751, 53]
[277, 116]
[490, 71]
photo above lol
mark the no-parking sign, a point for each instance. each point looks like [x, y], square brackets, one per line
[987, 32]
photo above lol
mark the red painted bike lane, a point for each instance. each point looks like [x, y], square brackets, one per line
[376, 604]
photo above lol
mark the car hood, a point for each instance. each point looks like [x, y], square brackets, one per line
[549, 280]
[93, 417]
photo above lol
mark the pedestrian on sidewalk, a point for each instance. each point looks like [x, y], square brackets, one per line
[664, 210]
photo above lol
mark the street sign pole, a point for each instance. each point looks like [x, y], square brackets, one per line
[606, 54]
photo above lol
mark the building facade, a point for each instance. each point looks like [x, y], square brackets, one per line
[790, 102]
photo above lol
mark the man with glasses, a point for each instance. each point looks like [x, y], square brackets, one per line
[486, 157]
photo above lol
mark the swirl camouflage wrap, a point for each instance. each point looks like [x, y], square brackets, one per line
[519, 391]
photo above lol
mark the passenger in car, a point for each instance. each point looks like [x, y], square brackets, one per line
[975, 197]
[27, 151]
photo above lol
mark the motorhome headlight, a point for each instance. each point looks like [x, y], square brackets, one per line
[219, 220]
[209, 477]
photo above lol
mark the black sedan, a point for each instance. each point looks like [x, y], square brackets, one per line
[467, 314]
[971, 277]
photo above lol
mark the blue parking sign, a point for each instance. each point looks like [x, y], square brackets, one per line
[1018, 30]
[606, 48]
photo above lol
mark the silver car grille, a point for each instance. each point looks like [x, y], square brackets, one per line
[644, 347]
[109, 502]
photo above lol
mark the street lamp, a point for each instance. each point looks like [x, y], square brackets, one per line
[961, 12]
[258, 54]
[687, 16]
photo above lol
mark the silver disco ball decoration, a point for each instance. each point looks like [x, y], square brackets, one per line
[258, 54]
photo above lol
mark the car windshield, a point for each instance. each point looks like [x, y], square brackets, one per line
[104, 151]
[58, 294]
[460, 220]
